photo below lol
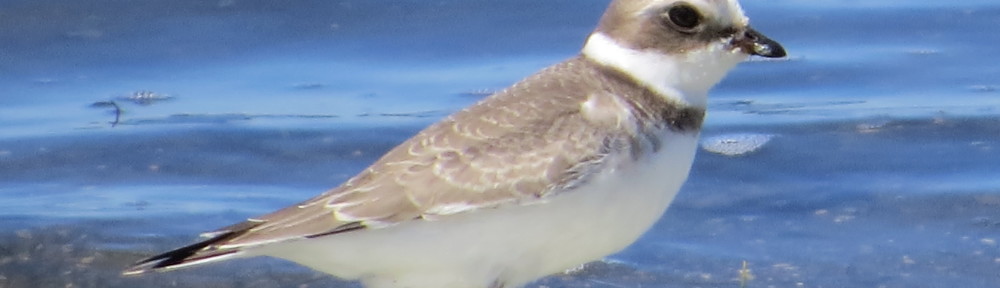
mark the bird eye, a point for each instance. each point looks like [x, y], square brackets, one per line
[684, 18]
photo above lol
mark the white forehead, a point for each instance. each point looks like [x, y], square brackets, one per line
[726, 12]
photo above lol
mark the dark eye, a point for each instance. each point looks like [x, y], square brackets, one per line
[684, 18]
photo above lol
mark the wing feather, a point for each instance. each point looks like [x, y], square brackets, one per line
[510, 148]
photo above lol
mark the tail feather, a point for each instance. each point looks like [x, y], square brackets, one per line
[198, 253]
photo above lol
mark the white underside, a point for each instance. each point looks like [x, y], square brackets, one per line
[509, 245]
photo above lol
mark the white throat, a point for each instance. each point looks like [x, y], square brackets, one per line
[683, 77]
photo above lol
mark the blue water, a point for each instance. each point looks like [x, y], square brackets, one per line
[881, 171]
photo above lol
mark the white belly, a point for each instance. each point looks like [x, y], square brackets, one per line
[509, 245]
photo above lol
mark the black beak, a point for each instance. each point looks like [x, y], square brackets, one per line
[754, 43]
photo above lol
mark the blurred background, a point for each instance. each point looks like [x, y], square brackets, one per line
[867, 158]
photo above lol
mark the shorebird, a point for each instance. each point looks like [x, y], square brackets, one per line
[564, 167]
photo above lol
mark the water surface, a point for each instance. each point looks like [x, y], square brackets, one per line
[880, 170]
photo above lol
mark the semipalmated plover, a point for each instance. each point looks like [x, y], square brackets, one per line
[567, 166]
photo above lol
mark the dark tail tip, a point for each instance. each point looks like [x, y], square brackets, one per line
[194, 254]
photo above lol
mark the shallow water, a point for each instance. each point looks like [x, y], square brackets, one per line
[879, 172]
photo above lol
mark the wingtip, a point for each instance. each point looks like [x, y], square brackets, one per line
[178, 259]
[198, 253]
[143, 266]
